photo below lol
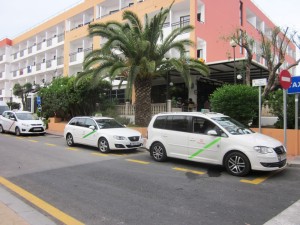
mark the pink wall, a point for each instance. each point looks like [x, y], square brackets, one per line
[221, 19]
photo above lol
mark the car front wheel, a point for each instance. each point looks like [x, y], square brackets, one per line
[237, 164]
[17, 131]
[69, 139]
[1, 129]
[158, 152]
[103, 145]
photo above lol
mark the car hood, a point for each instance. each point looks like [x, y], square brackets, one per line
[31, 122]
[257, 139]
[121, 132]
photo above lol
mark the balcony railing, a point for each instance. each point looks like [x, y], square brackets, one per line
[73, 57]
[1, 57]
[38, 66]
[49, 42]
[48, 63]
[129, 109]
[182, 23]
[60, 60]
[87, 50]
[60, 37]
[39, 46]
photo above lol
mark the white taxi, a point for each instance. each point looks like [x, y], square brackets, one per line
[102, 132]
[21, 122]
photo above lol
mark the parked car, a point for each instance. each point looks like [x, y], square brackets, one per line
[102, 132]
[213, 138]
[3, 107]
[21, 122]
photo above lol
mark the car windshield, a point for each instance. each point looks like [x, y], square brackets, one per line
[25, 116]
[232, 126]
[108, 123]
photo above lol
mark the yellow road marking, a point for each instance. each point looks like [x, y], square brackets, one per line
[34, 141]
[56, 213]
[99, 154]
[49, 144]
[187, 170]
[137, 161]
[72, 149]
[259, 179]
[20, 138]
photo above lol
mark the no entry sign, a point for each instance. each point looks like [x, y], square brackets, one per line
[285, 79]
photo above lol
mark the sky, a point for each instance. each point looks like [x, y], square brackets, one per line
[18, 16]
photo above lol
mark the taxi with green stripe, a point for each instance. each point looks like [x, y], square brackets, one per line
[103, 132]
[213, 138]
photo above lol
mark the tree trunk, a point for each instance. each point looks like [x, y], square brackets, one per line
[143, 112]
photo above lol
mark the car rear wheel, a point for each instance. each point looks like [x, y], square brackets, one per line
[237, 164]
[1, 129]
[17, 131]
[103, 145]
[69, 139]
[158, 152]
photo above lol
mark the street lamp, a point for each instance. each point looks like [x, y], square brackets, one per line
[233, 45]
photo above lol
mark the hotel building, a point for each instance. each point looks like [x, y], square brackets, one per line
[57, 47]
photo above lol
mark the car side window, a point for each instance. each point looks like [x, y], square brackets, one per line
[177, 123]
[198, 125]
[90, 122]
[160, 122]
[73, 122]
[80, 122]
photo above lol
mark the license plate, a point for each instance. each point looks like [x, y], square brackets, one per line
[37, 129]
[281, 157]
[134, 143]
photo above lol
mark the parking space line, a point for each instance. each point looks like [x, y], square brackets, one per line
[137, 161]
[49, 144]
[43, 205]
[34, 141]
[99, 154]
[188, 170]
[259, 179]
[72, 149]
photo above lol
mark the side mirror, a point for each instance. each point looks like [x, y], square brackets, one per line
[92, 127]
[13, 118]
[212, 133]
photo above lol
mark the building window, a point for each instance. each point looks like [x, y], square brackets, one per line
[199, 53]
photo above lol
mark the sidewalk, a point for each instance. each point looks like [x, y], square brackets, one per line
[13, 211]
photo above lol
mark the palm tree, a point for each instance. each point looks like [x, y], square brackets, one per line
[133, 53]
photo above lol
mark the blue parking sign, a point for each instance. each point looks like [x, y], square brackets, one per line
[295, 85]
[38, 100]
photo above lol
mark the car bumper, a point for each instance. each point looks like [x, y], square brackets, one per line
[269, 162]
[121, 145]
[32, 130]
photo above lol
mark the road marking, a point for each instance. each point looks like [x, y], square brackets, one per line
[72, 149]
[259, 179]
[49, 144]
[187, 170]
[21, 138]
[34, 141]
[99, 154]
[137, 161]
[55, 212]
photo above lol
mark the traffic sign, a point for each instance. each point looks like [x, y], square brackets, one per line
[38, 100]
[259, 82]
[295, 86]
[285, 79]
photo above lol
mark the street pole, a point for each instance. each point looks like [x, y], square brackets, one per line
[284, 118]
[296, 110]
[259, 109]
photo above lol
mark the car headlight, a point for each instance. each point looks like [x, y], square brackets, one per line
[263, 149]
[25, 124]
[119, 137]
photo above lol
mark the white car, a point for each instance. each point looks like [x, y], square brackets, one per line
[21, 122]
[213, 138]
[102, 132]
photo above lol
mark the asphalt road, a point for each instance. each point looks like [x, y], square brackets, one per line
[131, 188]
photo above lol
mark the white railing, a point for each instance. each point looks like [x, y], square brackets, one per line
[129, 109]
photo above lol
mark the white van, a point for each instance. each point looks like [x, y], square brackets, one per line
[213, 138]
[3, 107]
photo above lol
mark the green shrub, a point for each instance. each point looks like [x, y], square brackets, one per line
[237, 101]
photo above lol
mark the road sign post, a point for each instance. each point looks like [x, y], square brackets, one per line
[285, 81]
[259, 83]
